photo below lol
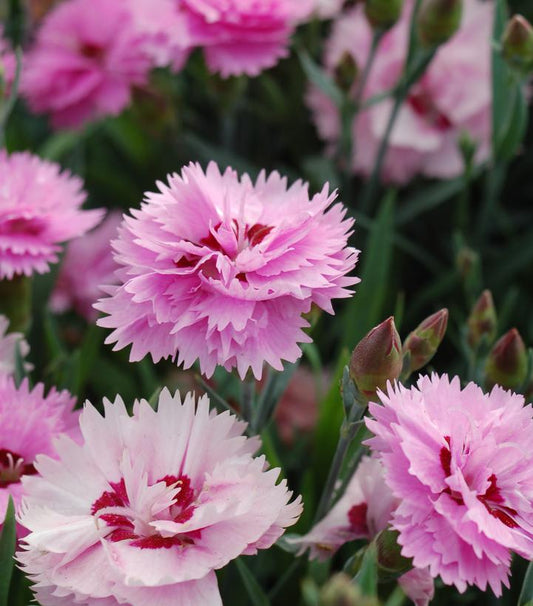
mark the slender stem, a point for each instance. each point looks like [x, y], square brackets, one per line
[493, 186]
[348, 430]
[248, 398]
[7, 108]
[285, 577]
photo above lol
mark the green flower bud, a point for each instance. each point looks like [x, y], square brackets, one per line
[482, 320]
[377, 358]
[391, 562]
[346, 71]
[507, 362]
[517, 44]
[438, 20]
[383, 14]
[425, 339]
[340, 590]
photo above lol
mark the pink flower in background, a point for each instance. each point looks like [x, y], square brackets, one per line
[453, 96]
[109, 526]
[364, 510]
[85, 61]
[88, 264]
[29, 424]
[243, 37]
[164, 29]
[460, 461]
[219, 269]
[39, 208]
[297, 409]
[8, 347]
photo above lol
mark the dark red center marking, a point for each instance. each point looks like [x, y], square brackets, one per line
[122, 527]
[492, 498]
[13, 467]
[423, 105]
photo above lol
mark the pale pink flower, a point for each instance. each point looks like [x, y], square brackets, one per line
[326, 9]
[460, 461]
[219, 269]
[87, 264]
[29, 424]
[84, 63]
[453, 97]
[39, 208]
[364, 510]
[243, 37]
[8, 348]
[149, 506]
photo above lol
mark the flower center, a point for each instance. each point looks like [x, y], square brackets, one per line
[422, 104]
[13, 467]
[492, 498]
[357, 519]
[91, 50]
[114, 509]
[217, 241]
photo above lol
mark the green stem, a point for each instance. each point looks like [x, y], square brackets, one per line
[15, 302]
[248, 399]
[493, 186]
[9, 104]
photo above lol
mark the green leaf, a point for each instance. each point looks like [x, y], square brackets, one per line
[321, 79]
[500, 91]
[367, 577]
[526, 594]
[515, 126]
[7, 550]
[255, 591]
[366, 309]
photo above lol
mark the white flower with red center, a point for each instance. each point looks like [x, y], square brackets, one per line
[149, 506]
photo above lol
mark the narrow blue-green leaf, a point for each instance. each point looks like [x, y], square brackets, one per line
[255, 591]
[367, 577]
[526, 594]
[321, 79]
[516, 124]
[20, 370]
[366, 308]
[7, 550]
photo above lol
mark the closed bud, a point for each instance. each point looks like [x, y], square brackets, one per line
[466, 260]
[425, 339]
[438, 20]
[340, 590]
[517, 44]
[391, 563]
[482, 321]
[346, 71]
[377, 358]
[506, 364]
[383, 14]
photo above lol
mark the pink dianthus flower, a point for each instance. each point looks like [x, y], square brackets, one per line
[87, 57]
[219, 269]
[453, 97]
[39, 208]
[87, 264]
[149, 506]
[243, 37]
[29, 424]
[460, 462]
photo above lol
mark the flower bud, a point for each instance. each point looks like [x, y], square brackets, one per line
[383, 14]
[466, 261]
[340, 590]
[346, 71]
[391, 563]
[482, 320]
[377, 358]
[507, 362]
[517, 44]
[438, 20]
[425, 339]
